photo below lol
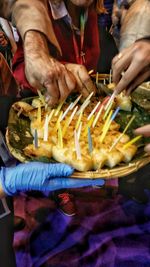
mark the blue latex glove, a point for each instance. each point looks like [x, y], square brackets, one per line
[42, 177]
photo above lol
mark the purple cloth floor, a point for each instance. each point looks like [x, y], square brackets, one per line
[106, 232]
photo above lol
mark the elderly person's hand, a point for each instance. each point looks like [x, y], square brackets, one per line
[132, 66]
[84, 83]
[145, 131]
[43, 71]
[3, 39]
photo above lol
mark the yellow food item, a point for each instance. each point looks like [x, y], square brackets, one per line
[101, 155]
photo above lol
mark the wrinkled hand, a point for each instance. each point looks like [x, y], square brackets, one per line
[3, 39]
[84, 82]
[134, 62]
[43, 71]
[42, 177]
[145, 130]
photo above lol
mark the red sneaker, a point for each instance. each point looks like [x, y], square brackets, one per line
[65, 203]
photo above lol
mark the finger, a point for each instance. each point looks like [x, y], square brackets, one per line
[63, 88]
[86, 81]
[144, 130]
[141, 78]
[81, 88]
[70, 81]
[147, 148]
[120, 66]
[53, 94]
[61, 183]
[129, 75]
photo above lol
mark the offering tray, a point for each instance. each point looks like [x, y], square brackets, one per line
[18, 136]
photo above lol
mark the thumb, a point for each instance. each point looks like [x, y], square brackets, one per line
[59, 170]
[144, 130]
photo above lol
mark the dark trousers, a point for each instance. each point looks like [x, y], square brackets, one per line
[7, 256]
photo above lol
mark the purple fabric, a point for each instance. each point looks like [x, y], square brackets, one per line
[106, 232]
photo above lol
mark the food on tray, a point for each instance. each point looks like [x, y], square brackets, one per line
[73, 134]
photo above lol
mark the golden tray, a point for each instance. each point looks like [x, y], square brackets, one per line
[20, 127]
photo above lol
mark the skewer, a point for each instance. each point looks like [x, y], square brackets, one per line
[35, 141]
[77, 146]
[93, 111]
[59, 107]
[124, 131]
[90, 72]
[90, 141]
[132, 141]
[60, 137]
[97, 116]
[46, 129]
[106, 126]
[66, 111]
[79, 130]
[75, 102]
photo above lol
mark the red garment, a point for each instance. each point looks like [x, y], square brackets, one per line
[65, 38]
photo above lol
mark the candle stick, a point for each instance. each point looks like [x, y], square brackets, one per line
[97, 116]
[58, 120]
[87, 100]
[107, 110]
[60, 137]
[93, 111]
[39, 113]
[75, 102]
[83, 107]
[132, 141]
[66, 111]
[90, 141]
[73, 114]
[124, 131]
[115, 113]
[50, 115]
[79, 130]
[90, 72]
[79, 120]
[104, 81]
[68, 121]
[59, 107]
[77, 146]
[106, 127]
[46, 129]
[88, 125]
[35, 141]
[111, 99]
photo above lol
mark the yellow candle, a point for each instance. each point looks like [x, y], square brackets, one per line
[78, 121]
[106, 126]
[60, 137]
[65, 126]
[59, 107]
[50, 115]
[88, 125]
[39, 114]
[132, 141]
[107, 110]
[124, 131]
[58, 120]
[90, 72]
[97, 116]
